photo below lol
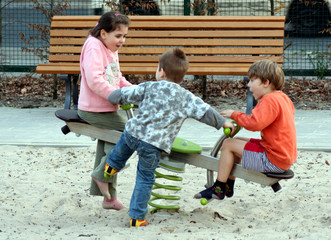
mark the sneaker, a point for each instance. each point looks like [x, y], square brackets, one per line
[138, 223]
[109, 171]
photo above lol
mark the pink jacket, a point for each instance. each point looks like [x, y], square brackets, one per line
[100, 75]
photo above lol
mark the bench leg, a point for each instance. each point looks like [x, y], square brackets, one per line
[71, 90]
[67, 101]
[75, 79]
[251, 102]
[204, 87]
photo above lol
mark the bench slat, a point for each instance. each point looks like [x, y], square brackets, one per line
[206, 33]
[205, 59]
[204, 42]
[146, 42]
[205, 51]
[68, 33]
[177, 25]
[176, 18]
[211, 25]
[175, 34]
[192, 59]
[142, 42]
[60, 69]
[187, 50]
[149, 68]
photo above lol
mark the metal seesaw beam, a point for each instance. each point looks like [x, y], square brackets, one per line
[211, 163]
[85, 129]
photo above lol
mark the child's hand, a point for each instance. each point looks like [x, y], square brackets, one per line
[227, 113]
[229, 125]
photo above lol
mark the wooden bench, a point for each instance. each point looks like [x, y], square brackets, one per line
[215, 45]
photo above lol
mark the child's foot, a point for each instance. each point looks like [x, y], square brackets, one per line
[103, 186]
[215, 192]
[228, 191]
[138, 223]
[113, 203]
[109, 171]
[229, 188]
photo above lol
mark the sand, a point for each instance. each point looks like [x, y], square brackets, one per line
[45, 195]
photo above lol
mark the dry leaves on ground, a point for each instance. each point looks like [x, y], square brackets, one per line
[37, 91]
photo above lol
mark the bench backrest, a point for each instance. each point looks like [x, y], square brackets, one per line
[215, 45]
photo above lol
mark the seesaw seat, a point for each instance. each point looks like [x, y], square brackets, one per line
[285, 175]
[69, 115]
[77, 125]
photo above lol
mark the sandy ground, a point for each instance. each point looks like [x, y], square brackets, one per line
[45, 195]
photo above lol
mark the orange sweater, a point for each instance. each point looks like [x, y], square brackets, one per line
[274, 117]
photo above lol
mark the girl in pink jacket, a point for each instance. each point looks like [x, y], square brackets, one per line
[101, 75]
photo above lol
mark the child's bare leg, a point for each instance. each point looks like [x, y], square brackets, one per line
[246, 140]
[231, 152]
[103, 186]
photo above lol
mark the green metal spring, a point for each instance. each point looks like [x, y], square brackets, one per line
[156, 196]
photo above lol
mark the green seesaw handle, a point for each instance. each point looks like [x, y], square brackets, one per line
[128, 110]
[127, 107]
[227, 131]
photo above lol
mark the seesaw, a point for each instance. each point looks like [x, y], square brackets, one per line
[181, 153]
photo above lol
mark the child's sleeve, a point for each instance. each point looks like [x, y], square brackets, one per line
[124, 82]
[193, 106]
[115, 97]
[213, 118]
[127, 95]
[262, 116]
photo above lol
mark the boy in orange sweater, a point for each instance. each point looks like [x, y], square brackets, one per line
[273, 116]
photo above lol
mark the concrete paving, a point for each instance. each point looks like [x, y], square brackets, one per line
[40, 127]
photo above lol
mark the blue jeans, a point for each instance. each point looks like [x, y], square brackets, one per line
[149, 157]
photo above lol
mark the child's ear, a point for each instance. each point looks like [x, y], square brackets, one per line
[266, 83]
[102, 33]
[162, 73]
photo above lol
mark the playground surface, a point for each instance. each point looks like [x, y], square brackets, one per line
[40, 127]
